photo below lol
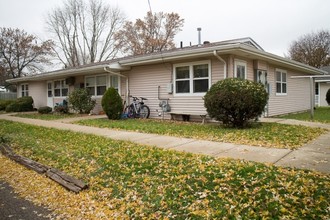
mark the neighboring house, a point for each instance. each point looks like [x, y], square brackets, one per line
[180, 77]
[321, 88]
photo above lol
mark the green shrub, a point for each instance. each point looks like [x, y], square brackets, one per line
[61, 109]
[327, 98]
[45, 110]
[4, 104]
[22, 104]
[235, 101]
[80, 100]
[112, 104]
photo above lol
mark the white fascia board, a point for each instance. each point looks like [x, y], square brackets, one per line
[279, 59]
[313, 76]
[57, 74]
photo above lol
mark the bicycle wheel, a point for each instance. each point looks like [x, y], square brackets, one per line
[129, 111]
[144, 111]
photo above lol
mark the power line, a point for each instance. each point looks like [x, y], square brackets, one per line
[149, 6]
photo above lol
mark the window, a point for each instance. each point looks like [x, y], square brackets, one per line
[50, 89]
[90, 85]
[24, 90]
[61, 89]
[101, 85]
[114, 82]
[281, 82]
[240, 69]
[97, 85]
[192, 78]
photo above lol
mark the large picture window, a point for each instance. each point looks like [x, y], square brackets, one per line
[192, 78]
[61, 89]
[97, 85]
[281, 82]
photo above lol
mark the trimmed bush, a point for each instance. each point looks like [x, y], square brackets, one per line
[45, 110]
[112, 104]
[22, 104]
[327, 98]
[235, 101]
[5, 103]
[81, 101]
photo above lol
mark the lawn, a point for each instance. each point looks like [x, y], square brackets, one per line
[132, 181]
[321, 114]
[258, 134]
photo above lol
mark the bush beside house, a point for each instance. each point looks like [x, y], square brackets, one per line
[235, 101]
[327, 98]
[45, 110]
[22, 104]
[112, 104]
[81, 101]
[4, 104]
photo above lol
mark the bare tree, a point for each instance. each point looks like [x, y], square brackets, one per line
[21, 54]
[312, 49]
[155, 33]
[85, 32]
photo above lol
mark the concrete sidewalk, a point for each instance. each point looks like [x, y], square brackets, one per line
[313, 156]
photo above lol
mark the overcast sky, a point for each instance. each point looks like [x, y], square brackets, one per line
[273, 24]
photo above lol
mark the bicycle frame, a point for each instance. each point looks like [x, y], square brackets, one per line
[134, 109]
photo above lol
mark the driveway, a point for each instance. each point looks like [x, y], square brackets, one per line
[14, 207]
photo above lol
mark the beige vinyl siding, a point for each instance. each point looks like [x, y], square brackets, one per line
[146, 80]
[297, 98]
[38, 91]
[249, 64]
[260, 65]
[324, 87]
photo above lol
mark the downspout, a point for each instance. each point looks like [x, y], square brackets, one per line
[107, 69]
[224, 62]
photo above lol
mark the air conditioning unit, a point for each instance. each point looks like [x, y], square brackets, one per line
[70, 81]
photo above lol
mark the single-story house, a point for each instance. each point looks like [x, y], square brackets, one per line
[180, 77]
[321, 88]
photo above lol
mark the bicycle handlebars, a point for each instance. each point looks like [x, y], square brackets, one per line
[136, 98]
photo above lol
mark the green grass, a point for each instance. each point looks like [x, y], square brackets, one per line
[150, 183]
[258, 134]
[47, 117]
[321, 114]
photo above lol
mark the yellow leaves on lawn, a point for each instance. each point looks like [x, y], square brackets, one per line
[43, 191]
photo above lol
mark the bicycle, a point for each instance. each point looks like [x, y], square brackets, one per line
[137, 109]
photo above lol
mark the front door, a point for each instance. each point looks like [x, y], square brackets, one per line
[50, 99]
[261, 77]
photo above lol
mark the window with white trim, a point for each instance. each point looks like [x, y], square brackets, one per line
[240, 69]
[25, 90]
[192, 78]
[281, 82]
[97, 85]
[61, 89]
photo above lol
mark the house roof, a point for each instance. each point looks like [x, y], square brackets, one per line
[245, 47]
[326, 68]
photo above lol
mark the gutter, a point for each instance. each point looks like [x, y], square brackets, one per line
[224, 62]
[56, 74]
[278, 59]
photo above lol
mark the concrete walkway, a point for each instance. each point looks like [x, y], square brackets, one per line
[313, 156]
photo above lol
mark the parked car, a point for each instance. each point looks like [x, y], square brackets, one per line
[3, 89]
